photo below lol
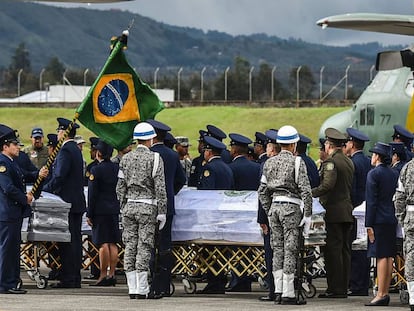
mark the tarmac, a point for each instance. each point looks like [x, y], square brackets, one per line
[116, 298]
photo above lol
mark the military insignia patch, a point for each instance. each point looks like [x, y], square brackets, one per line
[91, 177]
[2, 169]
[206, 173]
[330, 166]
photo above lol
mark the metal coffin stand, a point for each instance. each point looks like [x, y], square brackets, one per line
[47, 225]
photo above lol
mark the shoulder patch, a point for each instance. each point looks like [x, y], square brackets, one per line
[91, 177]
[3, 169]
[329, 166]
[206, 173]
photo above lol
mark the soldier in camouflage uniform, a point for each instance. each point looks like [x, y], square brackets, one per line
[404, 210]
[282, 188]
[143, 199]
[37, 152]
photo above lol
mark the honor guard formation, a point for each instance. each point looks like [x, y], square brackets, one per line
[137, 186]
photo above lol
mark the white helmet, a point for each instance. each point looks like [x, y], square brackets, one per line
[287, 135]
[143, 131]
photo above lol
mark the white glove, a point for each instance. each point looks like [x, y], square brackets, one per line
[306, 223]
[162, 218]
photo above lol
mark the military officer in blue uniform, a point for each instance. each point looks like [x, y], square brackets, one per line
[170, 140]
[14, 205]
[94, 142]
[398, 156]
[218, 134]
[197, 163]
[311, 168]
[174, 179]
[67, 182]
[401, 134]
[216, 175]
[246, 173]
[360, 263]
[246, 176]
[260, 147]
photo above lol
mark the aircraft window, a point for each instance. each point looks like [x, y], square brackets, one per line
[370, 114]
[362, 117]
[366, 115]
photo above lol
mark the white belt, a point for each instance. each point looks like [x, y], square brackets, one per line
[147, 201]
[410, 208]
[282, 198]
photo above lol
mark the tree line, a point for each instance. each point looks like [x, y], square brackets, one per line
[240, 82]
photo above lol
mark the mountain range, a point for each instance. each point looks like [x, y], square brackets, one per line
[80, 38]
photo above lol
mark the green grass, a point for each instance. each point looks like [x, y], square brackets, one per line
[188, 121]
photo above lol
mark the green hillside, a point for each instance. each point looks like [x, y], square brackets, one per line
[187, 121]
[79, 38]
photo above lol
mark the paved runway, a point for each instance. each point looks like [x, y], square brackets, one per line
[116, 298]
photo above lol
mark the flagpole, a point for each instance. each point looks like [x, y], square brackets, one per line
[122, 40]
[36, 186]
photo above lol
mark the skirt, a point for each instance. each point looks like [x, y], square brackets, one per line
[105, 229]
[385, 244]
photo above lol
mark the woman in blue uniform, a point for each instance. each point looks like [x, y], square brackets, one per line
[380, 219]
[103, 213]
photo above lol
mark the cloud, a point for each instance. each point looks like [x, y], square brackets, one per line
[282, 18]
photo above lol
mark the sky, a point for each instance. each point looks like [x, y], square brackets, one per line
[283, 18]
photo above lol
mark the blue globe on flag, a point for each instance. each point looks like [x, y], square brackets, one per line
[112, 97]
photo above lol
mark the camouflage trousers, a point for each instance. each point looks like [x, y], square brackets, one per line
[409, 246]
[284, 219]
[138, 236]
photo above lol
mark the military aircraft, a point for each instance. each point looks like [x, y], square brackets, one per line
[388, 100]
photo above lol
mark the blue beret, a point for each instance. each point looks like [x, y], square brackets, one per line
[7, 134]
[158, 126]
[170, 139]
[213, 143]
[381, 148]
[354, 134]
[237, 139]
[402, 133]
[271, 136]
[305, 140]
[104, 148]
[64, 124]
[52, 140]
[37, 132]
[215, 132]
[202, 134]
[399, 149]
[261, 139]
[94, 142]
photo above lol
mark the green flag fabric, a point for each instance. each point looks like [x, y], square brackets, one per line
[117, 101]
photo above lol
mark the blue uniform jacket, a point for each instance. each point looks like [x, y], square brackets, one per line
[13, 201]
[312, 170]
[196, 168]
[246, 174]
[102, 198]
[381, 185]
[216, 175]
[28, 169]
[67, 179]
[174, 174]
[362, 165]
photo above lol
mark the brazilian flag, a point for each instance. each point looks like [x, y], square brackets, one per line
[117, 100]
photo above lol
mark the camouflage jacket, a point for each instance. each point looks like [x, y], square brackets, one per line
[278, 179]
[37, 156]
[135, 180]
[405, 191]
